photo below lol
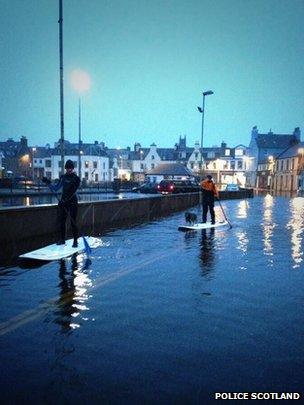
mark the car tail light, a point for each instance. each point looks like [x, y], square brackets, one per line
[171, 187]
[158, 187]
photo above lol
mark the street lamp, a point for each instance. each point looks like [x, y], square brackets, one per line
[33, 151]
[202, 111]
[81, 82]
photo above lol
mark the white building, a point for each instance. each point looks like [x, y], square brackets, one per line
[93, 168]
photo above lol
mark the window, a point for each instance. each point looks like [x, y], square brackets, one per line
[48, 163]
[232, 165]
[287, 164]
[292, 164]
[94, 165]
[239, 164]
[86, 175]
[211, 155]
[96, 176]
[277, 165]
[191, 165]
[141, 166]
[152, 157]
[104, 165]
[152, 165]
[225, 166]
[196, 155]
[239, 152]
[282, 164]
[86, 164]
[227, 152]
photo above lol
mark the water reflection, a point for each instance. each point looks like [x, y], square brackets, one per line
[242, 240]
[296, 225]
[243, 207]
[73, 294]
[268, 224]
[206, 254]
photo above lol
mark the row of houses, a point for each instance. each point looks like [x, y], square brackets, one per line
[271, 161]
[275, 161]
[97, 163]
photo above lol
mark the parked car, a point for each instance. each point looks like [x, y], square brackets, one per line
[148, 188]
[232, 187]
[178, 186]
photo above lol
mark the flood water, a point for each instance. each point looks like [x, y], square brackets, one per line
[158, 315]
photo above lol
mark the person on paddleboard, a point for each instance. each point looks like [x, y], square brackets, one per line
[210, 192]
[68, 204]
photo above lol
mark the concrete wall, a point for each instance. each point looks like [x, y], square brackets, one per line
[28, 228]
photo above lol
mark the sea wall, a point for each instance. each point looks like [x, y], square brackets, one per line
[28, 228]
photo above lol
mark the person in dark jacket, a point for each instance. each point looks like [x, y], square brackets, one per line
[68, 203]
[209, 191]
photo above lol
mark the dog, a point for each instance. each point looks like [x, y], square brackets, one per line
[190, 218]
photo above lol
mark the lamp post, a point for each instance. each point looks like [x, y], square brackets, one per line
[81, 82]
[60, 22]
[202, 111]
[33, 151]
[270, 179]
[300, 170]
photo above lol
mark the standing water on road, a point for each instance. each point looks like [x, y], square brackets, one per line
[161, 315]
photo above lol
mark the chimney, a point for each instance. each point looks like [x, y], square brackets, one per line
[254, 132]
[23, 142]
[297, 133]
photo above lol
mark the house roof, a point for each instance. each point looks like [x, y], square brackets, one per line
[275, 141]
[291, 152]
[171, 169]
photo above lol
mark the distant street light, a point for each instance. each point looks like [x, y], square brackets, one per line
[301, 152]
[202, 111]
[81, 82]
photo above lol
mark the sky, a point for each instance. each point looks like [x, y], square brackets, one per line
[148, 62]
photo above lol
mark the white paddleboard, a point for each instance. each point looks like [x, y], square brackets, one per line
[56, 252]
[200, 226]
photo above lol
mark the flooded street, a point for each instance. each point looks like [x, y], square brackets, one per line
[161, 315]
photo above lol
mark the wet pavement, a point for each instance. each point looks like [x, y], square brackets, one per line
[161, 315]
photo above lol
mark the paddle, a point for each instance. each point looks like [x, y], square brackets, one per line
[87, 248]
[223, 212]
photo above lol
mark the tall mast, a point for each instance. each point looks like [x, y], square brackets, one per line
[61, 88]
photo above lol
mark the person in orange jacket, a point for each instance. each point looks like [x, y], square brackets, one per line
[210, 192]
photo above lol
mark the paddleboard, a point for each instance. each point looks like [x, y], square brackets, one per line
[56, 252]
[200, 226]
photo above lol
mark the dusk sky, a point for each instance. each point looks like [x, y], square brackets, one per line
[149, 61]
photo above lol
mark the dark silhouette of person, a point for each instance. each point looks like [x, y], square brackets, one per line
[68, 203]
[209, 191]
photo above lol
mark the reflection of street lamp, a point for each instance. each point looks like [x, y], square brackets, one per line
[81, 82]
[202, 111]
